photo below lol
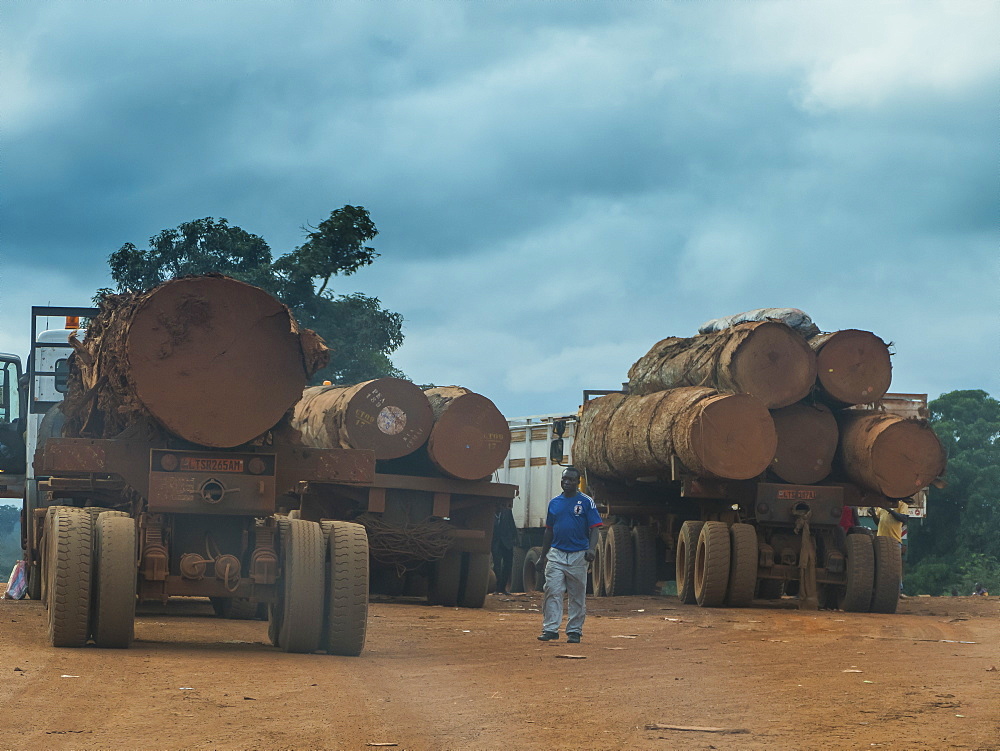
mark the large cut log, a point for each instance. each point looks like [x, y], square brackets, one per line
[807, 443]
[727, 436]
[390, 416]
[469, 440]
[887, 454]
[212, 360]
[766, 359]
[853, 366]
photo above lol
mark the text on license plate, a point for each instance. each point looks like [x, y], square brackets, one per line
[203, 464]
[797, 495]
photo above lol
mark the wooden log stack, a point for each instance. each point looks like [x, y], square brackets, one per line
[764, 358]
[209, 359]
[814, 386]
[726, 436]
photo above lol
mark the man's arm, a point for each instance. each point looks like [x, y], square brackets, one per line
[898, 516]
[595, 539]
[546, 542]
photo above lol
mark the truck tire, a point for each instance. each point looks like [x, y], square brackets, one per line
[114, 580]
[857, 593]
[533, 576]
[888, 569]
[644, 547]
[597, 566]
[346, 622]
[618, 561]
[711, 565]
[742, 566]
[445, 580]
[517, 570]
[475, 580]
[304, 563]
[687, 546]
[70, 558]
[274, 609]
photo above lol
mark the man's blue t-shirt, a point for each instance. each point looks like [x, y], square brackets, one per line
[571, 520]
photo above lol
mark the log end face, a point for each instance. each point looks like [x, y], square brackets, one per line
[215, 361]
[390, 416]
[854, 367]
[807, 443]
[470, 438]
[733, 437]
[906, 457]
[774, 364]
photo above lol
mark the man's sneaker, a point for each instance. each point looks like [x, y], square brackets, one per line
[573, 638]
[548, 636]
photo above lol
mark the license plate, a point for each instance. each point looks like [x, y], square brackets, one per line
[204, 464]
[796, 495]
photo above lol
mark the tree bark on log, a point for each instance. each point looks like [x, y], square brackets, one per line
[766, 359]
[726, 436]
[887, 454]
[390, 416]
[853, 367]
[807, 443]
[469, 440]
[212, 360]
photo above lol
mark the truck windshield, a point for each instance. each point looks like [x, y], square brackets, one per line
[10, 373]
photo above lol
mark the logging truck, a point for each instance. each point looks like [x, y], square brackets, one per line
[161, 463]
[723, 542]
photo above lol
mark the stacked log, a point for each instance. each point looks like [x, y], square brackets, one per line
[766, 359]
[853, 367]
[390, 416]
[890, 455]
[209, 359]
[807, 443]
[726, 436]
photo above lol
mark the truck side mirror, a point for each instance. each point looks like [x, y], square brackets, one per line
[556, 450]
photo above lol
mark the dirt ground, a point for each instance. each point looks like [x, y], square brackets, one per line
[767, 677]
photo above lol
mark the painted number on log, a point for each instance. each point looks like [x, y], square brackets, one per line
[391, 420]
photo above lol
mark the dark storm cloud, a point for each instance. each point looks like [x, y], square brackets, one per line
[555, 182]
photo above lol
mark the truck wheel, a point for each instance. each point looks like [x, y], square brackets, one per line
[70, 556]
[597, 567]
[644, 545]
[857, 594]
[711, 565]
[742, 566]
[445, 580]
[687, 546]
[617, 561]
[532, 577]
[274, 609]
[888, 568]
[114, 580]
[517, 570]
[347, 590]
[475, 580]
[304, 563]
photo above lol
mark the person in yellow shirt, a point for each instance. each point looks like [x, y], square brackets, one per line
[891, 521]
[890, 524]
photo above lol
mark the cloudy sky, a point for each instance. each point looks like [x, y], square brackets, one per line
[557, 185]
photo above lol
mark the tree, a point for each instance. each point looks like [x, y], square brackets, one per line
[361, 333]
[958, 542]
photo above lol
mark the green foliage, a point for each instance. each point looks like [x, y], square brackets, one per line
[958, 543]
[361, 333]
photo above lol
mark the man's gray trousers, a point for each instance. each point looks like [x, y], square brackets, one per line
[566, 573]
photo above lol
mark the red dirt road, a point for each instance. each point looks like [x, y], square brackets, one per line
[441, 678]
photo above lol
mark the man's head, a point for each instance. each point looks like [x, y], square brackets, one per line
[570, 481]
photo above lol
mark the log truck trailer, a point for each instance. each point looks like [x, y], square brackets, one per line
[653, 527]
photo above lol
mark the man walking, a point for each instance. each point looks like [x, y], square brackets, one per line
[890, 524]
[569, 544]
[504, 536]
